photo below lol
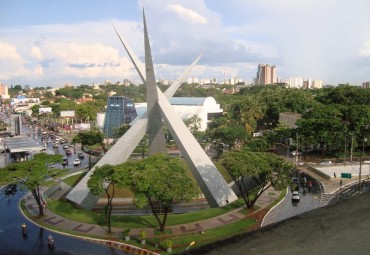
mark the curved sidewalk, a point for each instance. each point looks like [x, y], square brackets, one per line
[56, 221]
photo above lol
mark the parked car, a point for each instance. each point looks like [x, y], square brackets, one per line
[295, 196]
[10, 189]
[325, 163]
[81, 155]
[366, 161]
[77, 162]
[295, 153]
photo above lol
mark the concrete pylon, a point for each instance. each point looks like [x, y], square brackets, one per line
[213, 185]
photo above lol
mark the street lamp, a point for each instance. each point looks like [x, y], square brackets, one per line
[364, 139]
[191, 244]
[345, 144]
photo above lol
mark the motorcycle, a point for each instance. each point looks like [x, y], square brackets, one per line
[24, 231]
[51, 242]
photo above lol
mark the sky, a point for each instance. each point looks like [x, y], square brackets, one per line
[53, 43]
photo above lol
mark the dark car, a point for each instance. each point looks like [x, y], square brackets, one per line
[81, 155]
[10, 189]
[65, 162]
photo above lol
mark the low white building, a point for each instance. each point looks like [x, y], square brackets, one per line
[186, 107]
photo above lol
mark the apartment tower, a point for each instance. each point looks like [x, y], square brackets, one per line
[266, 74]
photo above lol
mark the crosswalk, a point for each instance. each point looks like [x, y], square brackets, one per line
[326, 198]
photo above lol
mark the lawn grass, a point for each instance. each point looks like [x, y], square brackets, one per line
[180, 242]
[66, 210]
[211, 235]
[74, 179]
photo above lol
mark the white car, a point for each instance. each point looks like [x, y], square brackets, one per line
[76, 162]
[295, 196]
[325, 163]
[366, 162]
[295, 153]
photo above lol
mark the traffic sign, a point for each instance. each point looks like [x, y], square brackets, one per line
[346, 175]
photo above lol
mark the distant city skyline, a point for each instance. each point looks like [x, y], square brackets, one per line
[53, 43]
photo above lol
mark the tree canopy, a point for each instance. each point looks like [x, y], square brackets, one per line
[161, 179]
[104, 180]
[254, 172]
[32, 174]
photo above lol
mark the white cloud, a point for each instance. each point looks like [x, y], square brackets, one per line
[36, 52]
[312, 39]
[365, 49]
[12, 63]
[187, 14]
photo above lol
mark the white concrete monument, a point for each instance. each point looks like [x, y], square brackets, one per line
[213, 185]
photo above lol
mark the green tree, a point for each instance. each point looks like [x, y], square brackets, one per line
[104, 180]
[229, 135]
[89, 138]
[120, 131]
[193, 123]
[251, 170]
[161, 179]
[247, 112]
[33, 174]
[322, 125]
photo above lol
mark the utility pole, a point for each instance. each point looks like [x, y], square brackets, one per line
[359, 176]
[351, 147]
[364, 139]
[296, 155]
[345, 144]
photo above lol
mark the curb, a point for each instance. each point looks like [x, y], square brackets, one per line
[131, 249]
[282, 200]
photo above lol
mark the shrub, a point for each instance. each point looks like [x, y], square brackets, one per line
[125, 232]
[142, 234]
[168, 243]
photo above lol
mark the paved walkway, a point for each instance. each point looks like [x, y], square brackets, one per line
[57, 221]
[270, 195]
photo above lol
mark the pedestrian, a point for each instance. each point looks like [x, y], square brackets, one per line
[335, 175]
[340, 183]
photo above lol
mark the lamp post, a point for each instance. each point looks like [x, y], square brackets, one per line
[345, 144]
[191, 244]
[297, 151]
[364, 139]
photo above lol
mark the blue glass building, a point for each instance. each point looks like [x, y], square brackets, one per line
[120, 110]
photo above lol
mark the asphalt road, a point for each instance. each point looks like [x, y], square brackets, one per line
[51, 150]
[13, 242]
[287, 209]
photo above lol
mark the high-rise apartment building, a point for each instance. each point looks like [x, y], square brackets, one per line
[4, 90]
[266, 74]
[120, 110]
